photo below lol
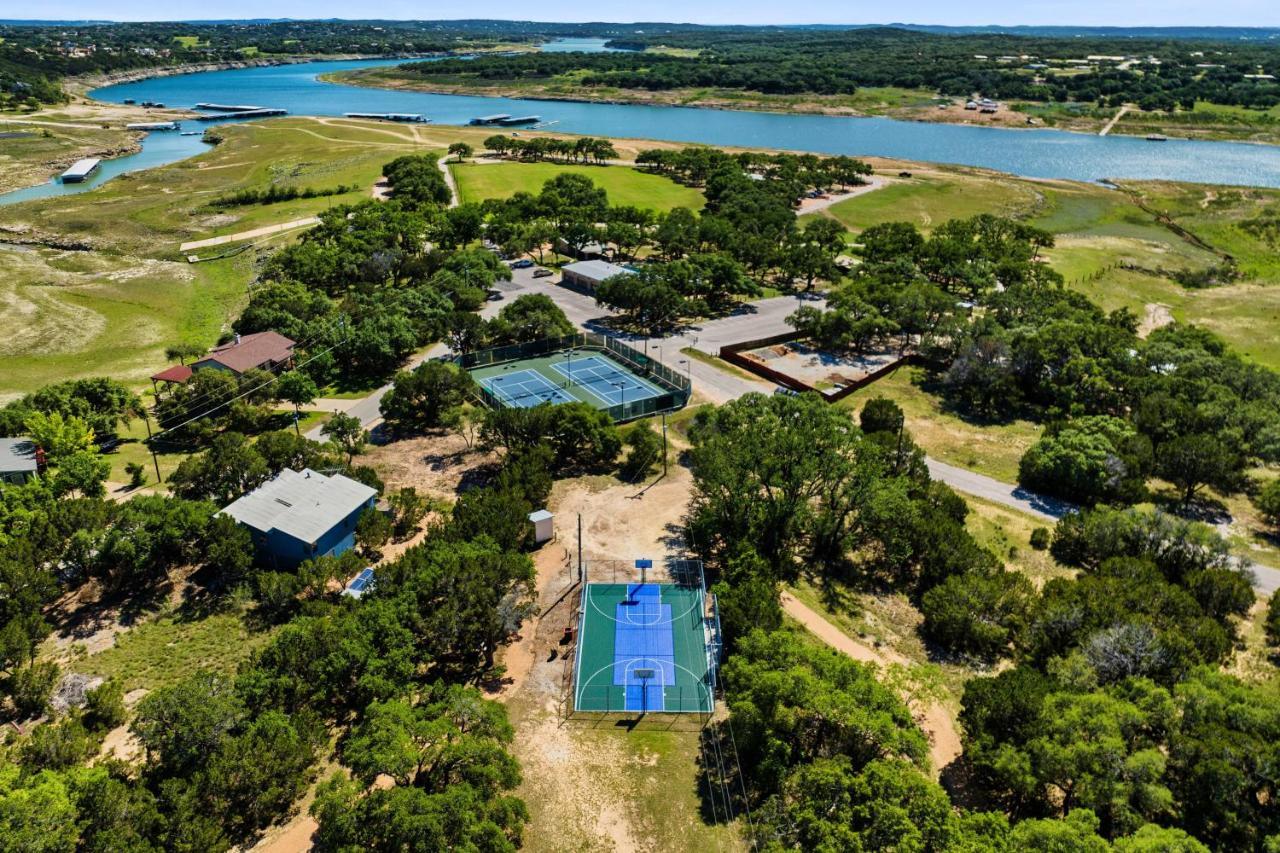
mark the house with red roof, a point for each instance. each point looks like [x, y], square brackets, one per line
[261, 350]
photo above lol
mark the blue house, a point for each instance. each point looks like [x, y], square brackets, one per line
[301, 515]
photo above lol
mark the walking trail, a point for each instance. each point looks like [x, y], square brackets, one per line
[1115, 118]
[934, 719]
[264, 231]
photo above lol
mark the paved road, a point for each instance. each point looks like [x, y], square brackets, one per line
[758, 319]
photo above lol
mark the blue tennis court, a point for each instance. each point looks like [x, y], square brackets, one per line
[606, 380]
[524, 389]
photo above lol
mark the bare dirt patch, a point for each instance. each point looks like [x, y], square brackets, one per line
[1155, 316]
[435, 465]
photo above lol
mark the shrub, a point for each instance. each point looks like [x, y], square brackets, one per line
[31, 687]
[1040, 538]
[104, 706]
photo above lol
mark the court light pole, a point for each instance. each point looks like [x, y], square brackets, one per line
[622, 386]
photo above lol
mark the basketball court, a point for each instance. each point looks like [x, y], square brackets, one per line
[643, 648]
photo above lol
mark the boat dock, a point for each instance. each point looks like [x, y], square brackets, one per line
[152, 125]
[410, 117]
[493, 119]
[512, 121]
[80, 170]
[228, 108]
[258, 113]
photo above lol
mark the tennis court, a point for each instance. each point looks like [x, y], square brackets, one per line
[606, 380]
[575, 375]
[642, 648]
[524, 389]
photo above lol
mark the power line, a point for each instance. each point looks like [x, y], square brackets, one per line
[204, 396]
[244, 394]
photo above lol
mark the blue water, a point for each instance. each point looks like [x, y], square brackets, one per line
[157, 150]
[1032, 153]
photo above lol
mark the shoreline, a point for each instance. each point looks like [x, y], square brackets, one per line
[361, 79]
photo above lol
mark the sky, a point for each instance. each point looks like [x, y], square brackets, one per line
[1257, 13]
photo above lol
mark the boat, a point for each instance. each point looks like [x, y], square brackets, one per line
[192, 133]
[1157, 137]
[129, 101]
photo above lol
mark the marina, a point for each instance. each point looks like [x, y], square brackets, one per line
[516, 121]
[81, 170]
[487, 120]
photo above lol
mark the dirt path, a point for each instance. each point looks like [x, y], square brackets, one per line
[455, 198]
[264, 231]
[1115, 118]
[944, 738]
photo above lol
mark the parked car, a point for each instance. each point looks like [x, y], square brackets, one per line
[522, 264]
[542, 272]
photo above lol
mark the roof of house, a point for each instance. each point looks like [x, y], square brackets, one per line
[177, 373]
[17, 454]
[303, 504]
[252, 351]
[596, 270]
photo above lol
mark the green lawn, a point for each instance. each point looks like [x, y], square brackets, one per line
[625, 186]
[930, 198]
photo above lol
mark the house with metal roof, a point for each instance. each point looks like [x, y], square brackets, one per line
[19, 460]
[301, 515]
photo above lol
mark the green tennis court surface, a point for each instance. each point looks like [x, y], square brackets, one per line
[643, 648]
[589, 377]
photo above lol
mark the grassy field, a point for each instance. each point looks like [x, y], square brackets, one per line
[625, 186]
[78, 314]
[991, 449]
[171, 646]
[1111, 248]
[930, 198]
[113, 310]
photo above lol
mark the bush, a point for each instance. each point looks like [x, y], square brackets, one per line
[373, 530]
[1273, 620]
[1268, 502]
[137, 474]
[977, 613]
[278, 592]
[644, 452]
[31, 687]
[104, 706]
[1040, 538]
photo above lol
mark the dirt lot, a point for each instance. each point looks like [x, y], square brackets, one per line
[821, 369]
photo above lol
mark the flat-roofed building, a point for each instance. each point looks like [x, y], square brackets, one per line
[19, 460]
[587, 275]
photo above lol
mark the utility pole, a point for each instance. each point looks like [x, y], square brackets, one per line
[579, 547]
[664, 444]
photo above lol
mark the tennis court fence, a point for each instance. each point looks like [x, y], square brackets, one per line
[676, 387]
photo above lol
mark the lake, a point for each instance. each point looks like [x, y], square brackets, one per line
[1038, 153]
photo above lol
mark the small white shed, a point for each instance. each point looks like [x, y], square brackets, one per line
[542, 527]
